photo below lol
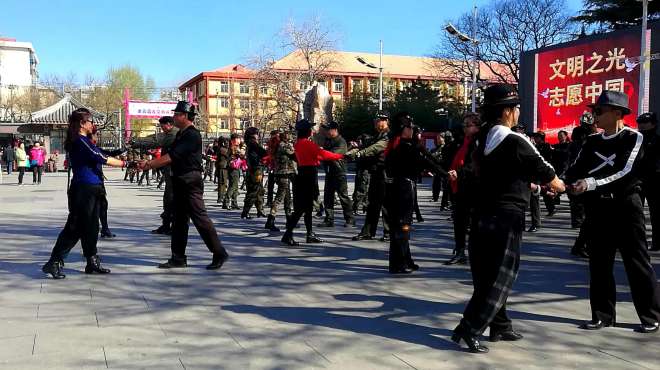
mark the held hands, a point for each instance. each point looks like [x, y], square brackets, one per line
[143, 165]
[578, 187]
[453, 175]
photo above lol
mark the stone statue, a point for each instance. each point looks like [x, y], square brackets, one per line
[318, 105]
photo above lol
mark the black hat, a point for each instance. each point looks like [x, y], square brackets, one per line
[613, 99]
[382, 116]
[184, 107]
[234, 135]
[649, 117]
[500, 94]
[303, 124]
[332, 125]
[251, 131]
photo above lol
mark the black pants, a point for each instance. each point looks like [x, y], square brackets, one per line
[336, 184]
[447, 196]
[168, 199]
[305, 191]
[189, 204]
[221, 173]
[36, 174]
[400, 214]
[550, 203]
[535, 209]
[271, 188]
[362, 179]
[103, 210]
[628, 235]
[461, 217]
[577, 210]
[377, 196]
[437, 187]
[495, 239]
[21, 173]
[255, 191]
[82, 223]
[653, 198]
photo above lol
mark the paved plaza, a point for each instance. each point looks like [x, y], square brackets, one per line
[274, 307]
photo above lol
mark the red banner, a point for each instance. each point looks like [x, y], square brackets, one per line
[568, 79]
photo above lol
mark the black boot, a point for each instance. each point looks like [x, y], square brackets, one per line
[287, 239]
[94, 266]
[458, 259]
[217, 262]
[107, 234]
[260, 214]
[470, 340]
[270, 224]
[326, 223]
[54, 268]
[313, 239]
[245, 215]
[174, 262]
[163, 230]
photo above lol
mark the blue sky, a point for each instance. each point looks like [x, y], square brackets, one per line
[174, 40]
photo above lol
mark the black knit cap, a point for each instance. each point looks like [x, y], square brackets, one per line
[500, 94]
[649, 117]
[303, 124]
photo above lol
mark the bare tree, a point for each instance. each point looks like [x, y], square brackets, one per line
[504, 29]
[310, 47]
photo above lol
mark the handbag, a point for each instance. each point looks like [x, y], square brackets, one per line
[33, 162]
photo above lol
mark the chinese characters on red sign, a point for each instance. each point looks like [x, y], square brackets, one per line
[569, 79]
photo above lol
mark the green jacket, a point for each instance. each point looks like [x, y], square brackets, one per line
[160, 140]
[373, 156]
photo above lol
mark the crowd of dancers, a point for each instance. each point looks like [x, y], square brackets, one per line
[491, 174]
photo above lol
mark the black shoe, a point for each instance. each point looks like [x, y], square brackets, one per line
[533, 229]
[94, 266]
[260, 214]
[551, 214]
[217, 262]
[173, 263]
[313, 239]
[319, 214]
[245, 215]
[54, 268]
[361, 236]
[270, 224]
[163, 230]
[384, 239]
[413, 266]
[326, 223]
[350, 223]
[471, 341]
[288, 240]
[459, 259]
[648, 328]
[400, 270]
[107, 234]
[224, 206]
[420, 219]
[595, 325]
[235, 207]
[506, 335]
[580, 252]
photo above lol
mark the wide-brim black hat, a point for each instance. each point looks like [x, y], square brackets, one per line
[331, 125]
[303, 124]
[501, 94]
[613, 99]
[184, 107]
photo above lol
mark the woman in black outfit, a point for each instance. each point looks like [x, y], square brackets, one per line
[505, 164]
[85, 196]
[405, 159]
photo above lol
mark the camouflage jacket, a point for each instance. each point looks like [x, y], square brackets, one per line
[284, 163]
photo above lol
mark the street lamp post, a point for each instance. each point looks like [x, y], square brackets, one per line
[643, 58]
[380, 75]
[475, 44]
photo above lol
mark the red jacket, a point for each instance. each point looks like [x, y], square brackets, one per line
[310, 154]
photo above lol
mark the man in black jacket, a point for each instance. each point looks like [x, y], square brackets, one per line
[335, 178]
[648, 124]
[254, 177]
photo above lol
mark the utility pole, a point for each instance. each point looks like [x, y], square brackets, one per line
[643, 59]
[380, 86]
[475, 65]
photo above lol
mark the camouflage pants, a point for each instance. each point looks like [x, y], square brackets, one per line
[232, 188]
[283, 194]
[255, 191]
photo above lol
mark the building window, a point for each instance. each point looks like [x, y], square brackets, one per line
[389, 87]
[263, 105]
[406, 84]
[357, 85]
[302, 85]
[338, 85]
[224, 102]
[224, 87]
[244, 123]
[373, 85]
[224, 124]
[244, 88]
[263, 90]
[244, 104]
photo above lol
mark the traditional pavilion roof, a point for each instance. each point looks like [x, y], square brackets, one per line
[58, 113]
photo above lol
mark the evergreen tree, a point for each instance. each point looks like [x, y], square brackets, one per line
[616, 14]
[356, 115]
